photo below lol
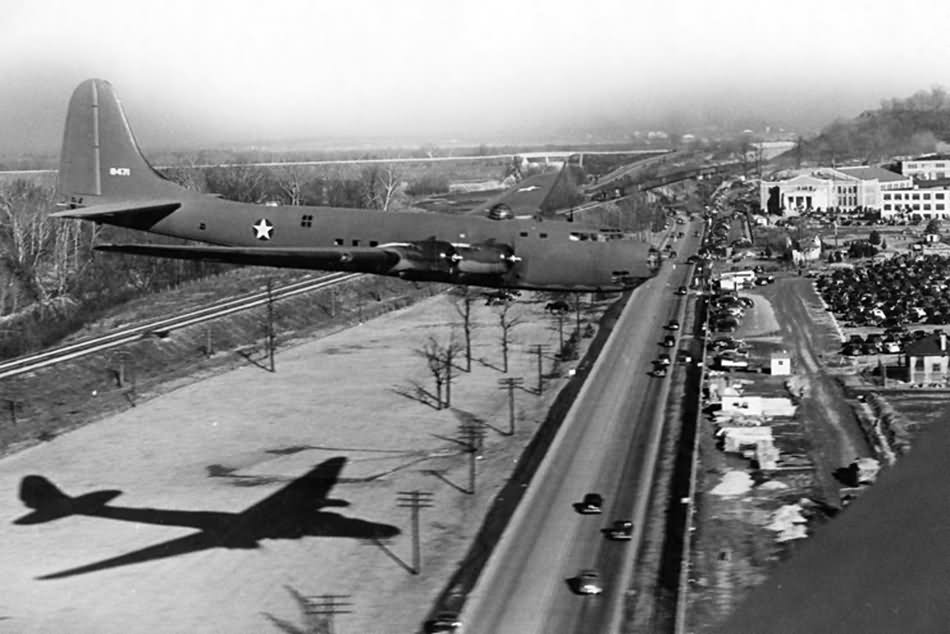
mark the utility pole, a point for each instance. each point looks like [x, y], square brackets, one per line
[415, 500]
[209, 340]
[577, 312]
[120, 373]
[13, 405]
[271, 331]
[539, 349]
[509, 383]
[328, 606]
[472, 435]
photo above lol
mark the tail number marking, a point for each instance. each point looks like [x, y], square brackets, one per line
[120, 171]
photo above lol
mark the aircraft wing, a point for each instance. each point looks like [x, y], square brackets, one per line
[361, 259]
[307, 492]
[524, 198]
[190, 543]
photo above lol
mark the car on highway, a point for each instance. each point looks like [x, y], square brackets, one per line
[620, 530]
[591, 504]
[588, 582]
[444, 622]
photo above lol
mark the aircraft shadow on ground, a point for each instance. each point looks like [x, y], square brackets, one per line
[292, 512]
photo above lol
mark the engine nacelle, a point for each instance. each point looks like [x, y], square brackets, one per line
[425, 255]
[485, 259]
[444, 257]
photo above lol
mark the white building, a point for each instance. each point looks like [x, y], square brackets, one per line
[846, 188]
[922, 203]
[928, 168]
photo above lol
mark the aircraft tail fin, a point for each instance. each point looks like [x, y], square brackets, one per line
[50, 503]
[100, 159]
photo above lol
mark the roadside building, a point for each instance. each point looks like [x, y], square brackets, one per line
[780, 364]
[924, 203]
[927, 168]
[845, 189]
[927, 359]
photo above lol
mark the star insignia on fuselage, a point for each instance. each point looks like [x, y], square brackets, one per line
[262, 229]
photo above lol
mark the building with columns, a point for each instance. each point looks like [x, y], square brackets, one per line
[845, 188]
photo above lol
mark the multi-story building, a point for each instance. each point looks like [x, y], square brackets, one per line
[927, 168]
[845, 188]
[924, 203]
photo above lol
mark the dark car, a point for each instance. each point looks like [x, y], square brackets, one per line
[444, 622]
[673, 325]
[620, 530]
[588, 582]
[669, 341]
[659, 371]
[682, 290]
[663, 359]
[557, 306]
[591, 504]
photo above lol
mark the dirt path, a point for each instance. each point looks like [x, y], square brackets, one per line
[835, 436]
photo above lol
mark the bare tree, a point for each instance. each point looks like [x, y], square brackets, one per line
[291, 181]
[27, 235]
[383, 185]
[462, 299]
[507, 323]
[440, 358]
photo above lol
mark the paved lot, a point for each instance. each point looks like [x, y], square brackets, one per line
[223, 444]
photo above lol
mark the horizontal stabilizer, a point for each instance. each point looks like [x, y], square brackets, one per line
[150, 211]
[357, 259]
[49, 503]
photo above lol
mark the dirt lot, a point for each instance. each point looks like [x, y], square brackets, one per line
[734, 548]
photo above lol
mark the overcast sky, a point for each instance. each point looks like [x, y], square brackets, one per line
[216, 72]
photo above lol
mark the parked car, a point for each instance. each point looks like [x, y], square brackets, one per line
[669, 341]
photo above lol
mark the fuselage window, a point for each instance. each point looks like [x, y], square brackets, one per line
[356, 243]
[338, 242]
[306, 220]
[201, 226]
[543, 235]
[374, 243]
[524, 234]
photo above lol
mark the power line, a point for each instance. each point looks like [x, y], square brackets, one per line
[415, 500]
[509, 383]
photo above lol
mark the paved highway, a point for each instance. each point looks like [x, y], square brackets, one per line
[608, 444]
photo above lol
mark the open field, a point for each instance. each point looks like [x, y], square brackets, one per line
[225, 442]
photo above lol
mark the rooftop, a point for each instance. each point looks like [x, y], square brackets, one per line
[868, 172]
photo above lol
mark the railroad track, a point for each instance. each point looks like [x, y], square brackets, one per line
[160, 327]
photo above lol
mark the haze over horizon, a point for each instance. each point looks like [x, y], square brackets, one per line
[193, 74]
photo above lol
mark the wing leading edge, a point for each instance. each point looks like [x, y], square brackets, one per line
[357, 259]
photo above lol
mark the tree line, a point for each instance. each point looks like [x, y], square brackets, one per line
[52, 281]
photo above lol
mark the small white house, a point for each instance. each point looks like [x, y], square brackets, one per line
[781, 364]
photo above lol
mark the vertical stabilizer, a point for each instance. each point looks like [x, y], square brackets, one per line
[100, 159]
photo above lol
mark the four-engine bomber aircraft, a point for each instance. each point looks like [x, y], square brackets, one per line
[104, 178]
